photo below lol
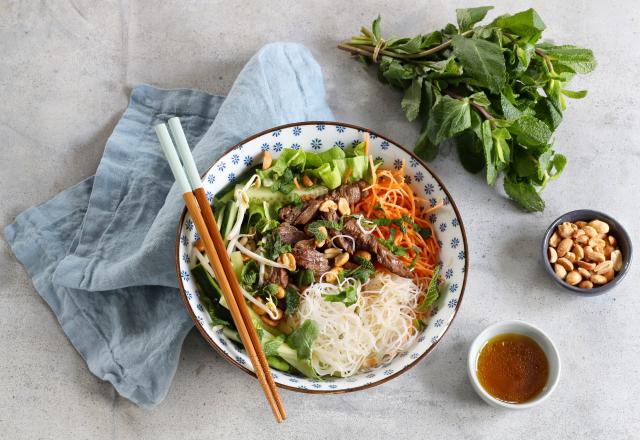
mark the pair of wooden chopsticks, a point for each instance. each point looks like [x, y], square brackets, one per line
[198, 206]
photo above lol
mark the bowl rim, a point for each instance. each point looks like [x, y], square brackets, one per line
[414, 362]
[513, 326]
[594, 214]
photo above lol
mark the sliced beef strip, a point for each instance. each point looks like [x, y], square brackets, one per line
[391, 262]
[369, 243]
[309, 211]
[353, 192]
[289, 213]
[278, 276]
[309, 258]
[300, 215]
[289, 234]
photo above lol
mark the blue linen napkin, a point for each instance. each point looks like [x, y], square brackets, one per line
[102, 252]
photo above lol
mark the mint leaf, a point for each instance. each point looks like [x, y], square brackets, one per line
[314, 228]
[249, 276]
[271, 348]
[425, 149]
[544, 163]
[414, 45]
[395, 72]
[530, 131]
[443, 69]
[447, 118]
[292, 300]
[575, 58]
[432, 293]
[375, 27]
[527, 24]
[302, 339]
[274, 247]
[482, 62]
[524, 194]
[469, 151]
[411, 100]
[470, 16]
[215, 321]
[347, 296]
[489, 156]
[509, 111]
[559, 161]
[500, 137]
[480, 98]
[579, 94]
[524, 54]
[548, 112]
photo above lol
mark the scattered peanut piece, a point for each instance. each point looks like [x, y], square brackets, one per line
[584, 254]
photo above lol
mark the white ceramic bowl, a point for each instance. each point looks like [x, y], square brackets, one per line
[522, 328]
[319, 136]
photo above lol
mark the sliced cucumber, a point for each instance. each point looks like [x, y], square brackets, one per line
[237, 263]
[278, 363]
[263, 194]
[220, 214]
[230, 218]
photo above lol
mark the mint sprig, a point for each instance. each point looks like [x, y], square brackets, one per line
[494, 91]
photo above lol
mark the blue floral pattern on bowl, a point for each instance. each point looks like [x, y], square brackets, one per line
[314, 136]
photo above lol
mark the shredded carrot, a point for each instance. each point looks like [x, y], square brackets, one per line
[295, 182]
[389, 196]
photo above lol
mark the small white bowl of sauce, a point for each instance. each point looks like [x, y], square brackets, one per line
[513, 365]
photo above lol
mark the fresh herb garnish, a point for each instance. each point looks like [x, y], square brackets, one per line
[271, 347]
[416, 254]
[249, 276]
[347, 296]
[314, 227]
[292, 300]
[265, 225]
[285, 183]
[304, 277]
[401, 224]
[494, 90]
[424, 232]
[432, 293]
[274, 247]
[268, 291]
[361, 273]
[303, 337]
[389, 244]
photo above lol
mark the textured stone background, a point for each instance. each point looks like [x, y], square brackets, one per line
[66, 69]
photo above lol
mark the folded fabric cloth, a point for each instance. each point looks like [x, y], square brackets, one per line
[102, 252]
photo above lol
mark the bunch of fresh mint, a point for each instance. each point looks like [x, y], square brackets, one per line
[493, 89]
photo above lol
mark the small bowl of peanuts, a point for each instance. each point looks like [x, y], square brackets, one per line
[587, 252]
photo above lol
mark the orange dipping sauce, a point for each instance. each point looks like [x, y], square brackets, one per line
[513, 368]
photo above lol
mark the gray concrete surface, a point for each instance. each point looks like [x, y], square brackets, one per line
[66, 69]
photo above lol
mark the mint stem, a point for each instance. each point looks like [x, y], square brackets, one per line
[367, 50]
